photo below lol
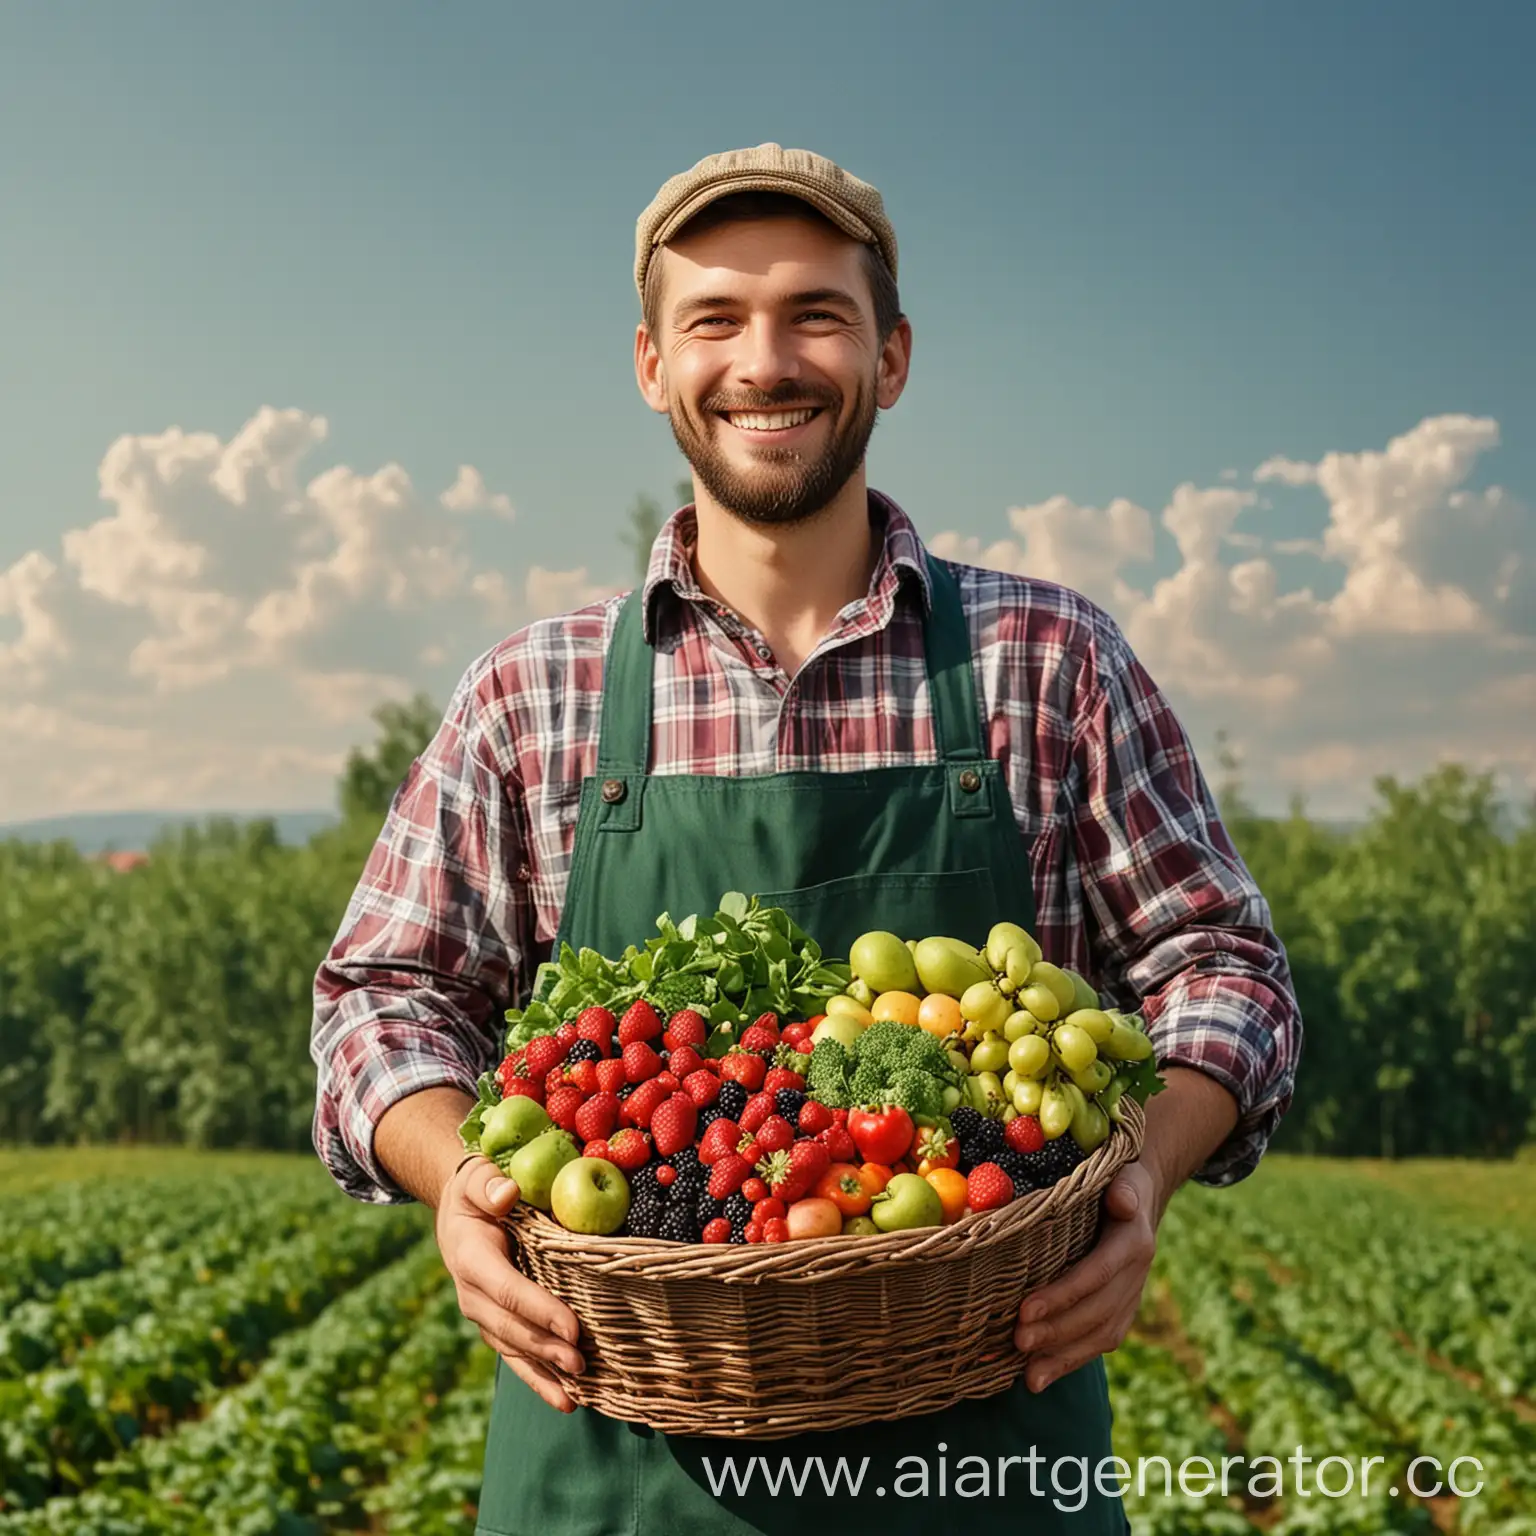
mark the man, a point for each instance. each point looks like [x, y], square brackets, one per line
[798, 701]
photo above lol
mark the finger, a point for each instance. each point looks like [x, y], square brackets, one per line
[540, 1380]
[1120, 1247]
[1065, 1329]
[487, 1189]
[1045, 1369]
[482, 1266]
[508, 1333]
[1122, 1200]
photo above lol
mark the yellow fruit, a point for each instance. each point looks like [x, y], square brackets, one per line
[1040, 1001]
[1043, 973]
[1009, 936]
[1127, 1043]
[985, 1009]
[1084, 995]
[901, 1007]
[1094, 1078]
[884, 962]
[1027, 1093]
[991, 1053]
[1074, 1046]
[1020, 1023]
[1090, 1126]
[949, 965]
[839, 1027]
[1094, 1022]
[844, 1007]
[1029, 1055]
[940, 1015]
[1055, 1112]
[860, 991]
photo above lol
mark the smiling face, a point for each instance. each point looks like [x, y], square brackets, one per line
[767, 360]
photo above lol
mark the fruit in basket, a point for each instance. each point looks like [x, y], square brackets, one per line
[984, 1092]
[939, 1014]
[1090, 1125]
[860, 1226]
[992, 1053]
[953, 1189]
[839, 1027]
[988, 1187]
[673, 1123]
[845, 1007]
[984, 1009]
[949, 966]
[1126, 1042]
[908, 1201]
[589, 1195]
[860, 991]
[1073, 1046]
[935, 1148]
[1029, 1055]
[881, 1133]
[897, 1007]
[790, 1174]
[511, 1124]
[883, 962]
[813, 1217]
[848, 1187]
[1055, 1109]
[534, 1165]
[1027, 1095]
[1007, 939]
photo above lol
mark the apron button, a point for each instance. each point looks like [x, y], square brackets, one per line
[614, 790]
[970, 781]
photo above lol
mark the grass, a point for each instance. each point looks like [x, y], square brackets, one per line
[28, 1168]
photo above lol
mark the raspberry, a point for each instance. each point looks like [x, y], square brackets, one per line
[767, 1208]
[758, 1039]
[839, 1144]
[718, 1231]
[988, 1188]
[755, 1189]
[520, 1087]
[666, 1175]
[640, 1062]
[776, 1231]
[753, 1232]
[1023, 1134]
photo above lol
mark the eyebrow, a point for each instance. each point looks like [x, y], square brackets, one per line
[839, 296]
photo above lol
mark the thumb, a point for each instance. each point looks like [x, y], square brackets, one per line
[1123, 1199]
[489, 1190]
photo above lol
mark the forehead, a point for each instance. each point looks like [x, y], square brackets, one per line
[754, 257]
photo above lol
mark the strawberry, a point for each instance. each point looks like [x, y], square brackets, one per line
[702, 1087]
[683, 1061]
[639, 1023]
[759, 1107]
[767, 1208]
[544, 1052]
[685, 1027]
[738, 1066]
[596, 1025]
[754, 1231]
[840, 1117]
[1023, 1134]
[717, 1231]
[628, 1150]
[563, 1105]
[789, 1174]
[720, 1138]
[640, 1061]
[611, 1075]
[598, 1149]
[988, 1187]
[814, 1117]
[804, 1047]
[775, 1135]
[729, 1174]
[793, 1034]
[597, 1119]
[781, 1077]
[584, 1075]
[638, 1108]
[567, 1035]
[520, 1087]
[673, 1124]
[668, 1080]
[768, 1021]
[839, 1144]
[511, 1066]
[754, 1189]
[758, 1039]
[776, 1231]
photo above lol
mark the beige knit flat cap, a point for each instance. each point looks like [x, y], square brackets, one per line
[853, 205]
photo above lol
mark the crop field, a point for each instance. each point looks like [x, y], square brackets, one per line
[225, 1344]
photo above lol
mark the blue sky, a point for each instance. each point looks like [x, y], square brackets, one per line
[1141, 244]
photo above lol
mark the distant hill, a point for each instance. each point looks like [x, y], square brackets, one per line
[136, 830]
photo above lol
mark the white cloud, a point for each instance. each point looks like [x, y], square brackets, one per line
[1426, 650]
[221, 632]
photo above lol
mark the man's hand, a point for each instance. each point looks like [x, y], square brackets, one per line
[521, 1321]
[1088, 1311]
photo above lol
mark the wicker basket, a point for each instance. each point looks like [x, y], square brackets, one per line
[766, 1341]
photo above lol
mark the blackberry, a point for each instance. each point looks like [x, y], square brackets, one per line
[987, 1139]
[789, 1102]
[1012, 1163]
[645, 1214]
[679, 1225]
[707, 1117]
[707, 1209]
[1053, 1162]
[625, 1091]
[738, 1211]
[643, 1179]
[584, 1050]
[690, 1182]
[732, 1100]
[687, 1157]
[966, 1121]
[737, 1236]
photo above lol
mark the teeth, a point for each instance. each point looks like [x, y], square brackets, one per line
[775, 421]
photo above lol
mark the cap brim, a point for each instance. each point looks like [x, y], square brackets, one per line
[850, 223]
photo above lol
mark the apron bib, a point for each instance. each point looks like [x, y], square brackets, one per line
[926, 849]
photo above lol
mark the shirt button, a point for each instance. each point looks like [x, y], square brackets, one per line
[764, 654]
[970, 781]
[613, 790]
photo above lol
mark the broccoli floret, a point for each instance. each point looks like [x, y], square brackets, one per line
[894, 1046]
[919, 1093]
[868, 1083]
[826, 1077]
[685, 989]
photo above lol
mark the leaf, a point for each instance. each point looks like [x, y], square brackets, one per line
[734, 905]
[1142, 1079]
[688, 927]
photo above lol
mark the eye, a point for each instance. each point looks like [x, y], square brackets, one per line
[818, 314]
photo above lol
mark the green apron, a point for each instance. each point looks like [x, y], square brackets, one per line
[926, 849]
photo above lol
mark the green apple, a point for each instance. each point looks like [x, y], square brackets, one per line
[907, 1201]
[860, 1226]
[535, 1164]
[590, 1195]
[511, 1124]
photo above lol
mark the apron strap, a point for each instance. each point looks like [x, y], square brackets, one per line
[624, 741]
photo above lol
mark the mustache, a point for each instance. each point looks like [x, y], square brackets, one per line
[787, 394]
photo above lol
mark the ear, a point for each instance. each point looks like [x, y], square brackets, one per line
[650, 371]
[895, 365]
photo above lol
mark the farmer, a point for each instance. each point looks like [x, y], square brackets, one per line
[801, 702]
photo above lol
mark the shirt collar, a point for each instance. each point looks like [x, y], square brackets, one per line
[901, 561]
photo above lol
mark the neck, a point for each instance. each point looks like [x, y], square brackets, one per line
[788, 582]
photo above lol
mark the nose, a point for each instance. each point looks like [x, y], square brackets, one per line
[765, 355]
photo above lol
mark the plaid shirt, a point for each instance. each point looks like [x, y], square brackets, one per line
[1136, 882]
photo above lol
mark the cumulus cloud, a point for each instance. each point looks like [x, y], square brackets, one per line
[1423, 649]
[221, 632]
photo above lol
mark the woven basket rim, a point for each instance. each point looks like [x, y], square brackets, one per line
[822, 1258]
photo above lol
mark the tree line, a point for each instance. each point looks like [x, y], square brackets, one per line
[172, 1002]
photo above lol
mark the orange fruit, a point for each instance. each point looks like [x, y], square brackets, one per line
[951, 1186]
[899, 1007]
[940, 1015]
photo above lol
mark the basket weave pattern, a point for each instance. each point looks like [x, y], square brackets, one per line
[769, 1340]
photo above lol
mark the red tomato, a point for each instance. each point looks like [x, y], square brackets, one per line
[882, 1135]
[852, 1190]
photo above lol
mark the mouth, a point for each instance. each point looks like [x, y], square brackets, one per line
[775, 426]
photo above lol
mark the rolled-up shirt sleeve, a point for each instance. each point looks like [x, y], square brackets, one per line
[413, 990]
[1177, 918]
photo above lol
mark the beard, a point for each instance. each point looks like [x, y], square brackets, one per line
[783, 485]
